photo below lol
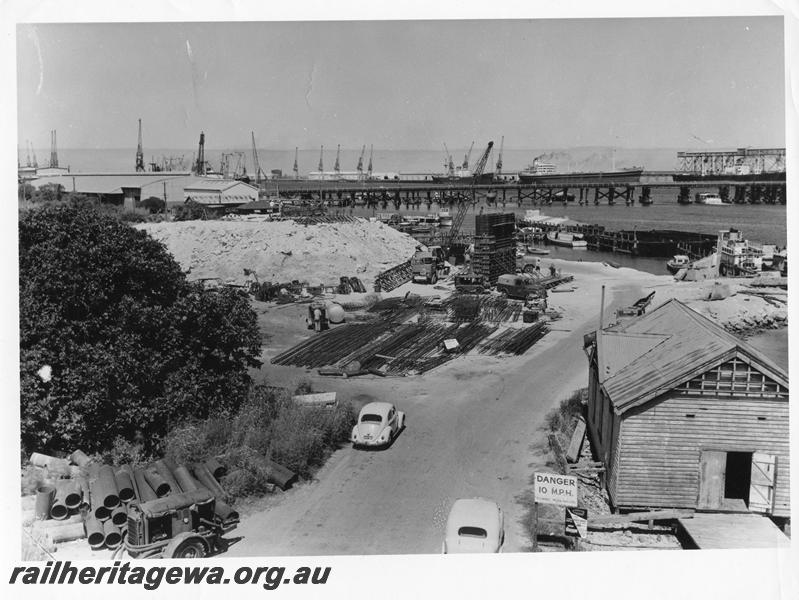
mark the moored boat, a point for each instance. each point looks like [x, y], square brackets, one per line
[709, 199]
[445, 218]
[566, 239]
[537, 251]
[679, 261]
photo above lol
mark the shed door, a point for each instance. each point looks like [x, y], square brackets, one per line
[712, 467]
[761, 492]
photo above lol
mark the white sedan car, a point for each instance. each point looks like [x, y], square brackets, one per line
[474, 525]
[378, 424]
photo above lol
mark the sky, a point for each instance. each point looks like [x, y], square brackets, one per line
[558, 83]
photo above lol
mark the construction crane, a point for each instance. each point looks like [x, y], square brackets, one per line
[468, 156]
[139, 153]
[498, 170]
[199, 166]
[359, 168]
[337, 166]
[321, 166]
[463, 205]
[53, 150]
[369, 167]
[296, 165]
[33, 154]
[255, 164]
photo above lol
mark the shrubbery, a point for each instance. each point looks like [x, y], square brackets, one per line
[114, 342]
[267, 426]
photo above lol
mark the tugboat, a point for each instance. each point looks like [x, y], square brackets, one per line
[679, 261]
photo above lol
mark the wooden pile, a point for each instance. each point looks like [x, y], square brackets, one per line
[514, 341]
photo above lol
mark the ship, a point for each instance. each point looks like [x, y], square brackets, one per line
[533, 175]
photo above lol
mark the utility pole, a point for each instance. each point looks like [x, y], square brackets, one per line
[296, 166]
[139, 153]
[321, 166]
[337, 167]
[369, 168]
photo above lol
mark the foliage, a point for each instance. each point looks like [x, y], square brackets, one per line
[153, 204]
[190, 211]
[267, 425]
[561, 419]
[134, 348]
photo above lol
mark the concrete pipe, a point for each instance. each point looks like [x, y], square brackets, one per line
[67, 533]
[100, 511]
[216, 468]
[44, 501]
[204, 476]
[163, 470]
[107, 486]
[84, 491]
[95, 533]
[186, 482]
[280, 475]
[79, 458]
[159, 485]
[129, 470]
[221, 509]
[124, 486]
[119, 516]
[170, 463]
[113, 537]
[67, 496]
[51, 462]
[144, 492]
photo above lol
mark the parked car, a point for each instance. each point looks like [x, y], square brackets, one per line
[378, 424]
[474, 525]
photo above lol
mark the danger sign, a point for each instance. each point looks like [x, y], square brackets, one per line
[552, 488]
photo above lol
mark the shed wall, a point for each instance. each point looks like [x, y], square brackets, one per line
[659, 450]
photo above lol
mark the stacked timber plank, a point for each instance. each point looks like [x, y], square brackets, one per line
[514, 341]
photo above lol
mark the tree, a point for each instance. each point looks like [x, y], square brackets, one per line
[132, 346]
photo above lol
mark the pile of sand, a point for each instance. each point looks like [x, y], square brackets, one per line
[282, 251]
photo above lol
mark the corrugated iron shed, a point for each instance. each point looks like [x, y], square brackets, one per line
[683, 344]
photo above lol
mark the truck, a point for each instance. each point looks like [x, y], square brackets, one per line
[428, 265]
[520, 286]
[471, 283]
[177, 526]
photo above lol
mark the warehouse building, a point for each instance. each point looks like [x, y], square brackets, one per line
[220, 193]
[686, 415]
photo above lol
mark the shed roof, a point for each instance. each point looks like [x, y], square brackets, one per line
[217, 185]
[646, 356]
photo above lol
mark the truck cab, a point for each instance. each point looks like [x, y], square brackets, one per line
[519, 286]
[471, 283]
[428, 265]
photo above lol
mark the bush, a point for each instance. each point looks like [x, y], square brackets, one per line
[267, 426]
[134, 348]
[190, 211]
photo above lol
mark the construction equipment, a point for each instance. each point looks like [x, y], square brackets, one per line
[463, 204]
[359, 168]
[369, 168]
[53, 150]
[498, 169]
[428, 265]
[139, 153]
[468, 156]
[257, 165]
[471, 283]
[317, 316]
[176, 526]
[200, 168]
[448, 164]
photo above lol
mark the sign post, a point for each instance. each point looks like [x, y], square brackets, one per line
[552, 488]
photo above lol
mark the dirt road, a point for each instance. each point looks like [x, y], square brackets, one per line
[474, 428]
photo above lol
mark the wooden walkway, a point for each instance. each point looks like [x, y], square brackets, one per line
[733, 530]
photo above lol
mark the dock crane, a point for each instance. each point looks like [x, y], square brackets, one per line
[296, 166]
[255, 164]
[498, 170]
[53, 150]
[139, 153]
[448, 164]
[369, 167]
[359, 168]
[337, 166]
[463, 205]
[321, 166]
[468, 156]
[33, 154]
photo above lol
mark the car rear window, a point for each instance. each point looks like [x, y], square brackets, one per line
[369, 418]
[473, 532]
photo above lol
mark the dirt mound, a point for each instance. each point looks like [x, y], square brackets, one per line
[282, 251]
